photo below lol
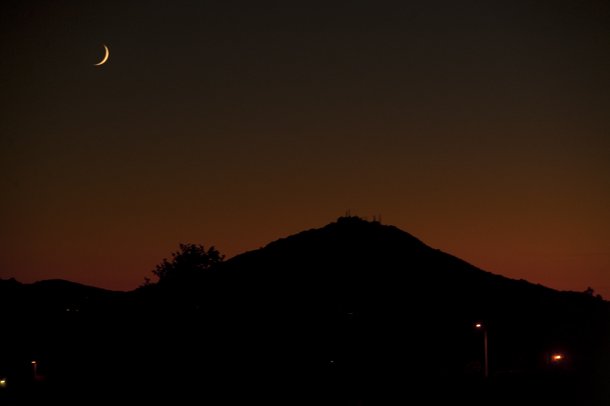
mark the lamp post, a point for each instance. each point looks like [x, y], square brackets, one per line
[479, 325]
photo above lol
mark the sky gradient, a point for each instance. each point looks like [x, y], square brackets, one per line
[481, 129]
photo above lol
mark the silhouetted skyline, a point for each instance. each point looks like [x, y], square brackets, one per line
[479, 127]
[351, 313]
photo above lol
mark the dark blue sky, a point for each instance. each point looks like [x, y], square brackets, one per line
[479, 127]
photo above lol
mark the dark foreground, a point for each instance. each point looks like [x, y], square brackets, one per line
[505, 389]
[355, 313]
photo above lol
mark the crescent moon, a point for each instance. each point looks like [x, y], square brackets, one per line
[105, 58]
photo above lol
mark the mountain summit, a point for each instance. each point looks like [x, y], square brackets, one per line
[402, 291]
[353, 310]
[384, 307]
[353, 261]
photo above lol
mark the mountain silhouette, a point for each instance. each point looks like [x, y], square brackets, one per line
[365, 267]
[371, 297]
[355, 311]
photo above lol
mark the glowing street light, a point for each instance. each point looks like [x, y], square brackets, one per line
[479, 325]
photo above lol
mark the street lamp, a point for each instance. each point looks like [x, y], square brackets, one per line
[479, 325]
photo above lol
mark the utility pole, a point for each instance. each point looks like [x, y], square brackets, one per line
[485, 345]
[486, 361]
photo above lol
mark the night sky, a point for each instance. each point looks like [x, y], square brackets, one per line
[480, 127]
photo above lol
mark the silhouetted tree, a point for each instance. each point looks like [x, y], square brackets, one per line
[186, 264]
